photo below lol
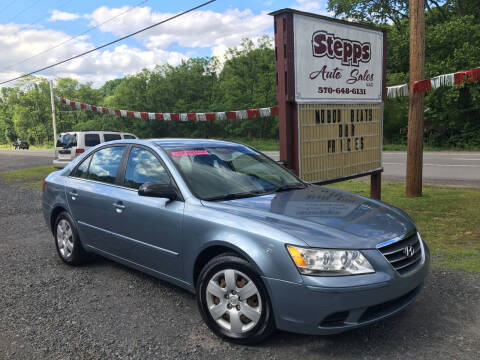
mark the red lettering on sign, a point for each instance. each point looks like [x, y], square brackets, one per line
[350, 52]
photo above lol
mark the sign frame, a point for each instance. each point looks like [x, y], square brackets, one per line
[377, 56]
[289, 125]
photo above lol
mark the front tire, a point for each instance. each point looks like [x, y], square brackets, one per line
[233, 300]
[67, 242]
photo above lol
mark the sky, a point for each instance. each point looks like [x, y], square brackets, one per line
[30, 28]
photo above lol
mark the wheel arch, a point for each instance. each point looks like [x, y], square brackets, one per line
[54, 214]
[214, 249]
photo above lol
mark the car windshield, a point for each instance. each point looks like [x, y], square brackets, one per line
[67, 140]
[230, 172]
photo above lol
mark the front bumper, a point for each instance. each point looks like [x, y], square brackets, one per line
[329, 305]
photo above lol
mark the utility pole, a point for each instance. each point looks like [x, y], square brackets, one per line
[416, 103]
[54, 122]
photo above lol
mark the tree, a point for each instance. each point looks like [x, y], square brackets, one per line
[385, 11]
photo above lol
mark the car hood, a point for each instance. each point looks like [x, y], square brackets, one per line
[324, 217]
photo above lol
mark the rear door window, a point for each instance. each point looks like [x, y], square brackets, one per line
[105, 163]
[67, 141]
[92, 139]
[144, 167]
[111, 137]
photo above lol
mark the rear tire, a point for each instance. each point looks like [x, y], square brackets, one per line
[220, 287]
[67, 241]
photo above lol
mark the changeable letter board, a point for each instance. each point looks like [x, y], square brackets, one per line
[339, 140]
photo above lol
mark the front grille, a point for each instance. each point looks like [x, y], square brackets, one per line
[376, 311]
[397, 257]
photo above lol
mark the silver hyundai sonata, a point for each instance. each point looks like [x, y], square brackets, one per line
[260, 248]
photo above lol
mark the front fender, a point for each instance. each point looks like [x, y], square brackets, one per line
[262, 245]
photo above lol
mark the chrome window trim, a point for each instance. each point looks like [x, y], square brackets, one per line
[102, 183]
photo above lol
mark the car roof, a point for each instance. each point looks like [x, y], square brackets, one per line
[187, 143]
[96, 132]
[169, 143]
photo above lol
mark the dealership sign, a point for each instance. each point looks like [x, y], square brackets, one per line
[330, 78]
[335, 62]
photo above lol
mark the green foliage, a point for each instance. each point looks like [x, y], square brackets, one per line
[372, 11]
[245, 79]
[452, 113]
[395, 120]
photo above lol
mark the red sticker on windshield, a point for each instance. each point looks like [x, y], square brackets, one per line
[190, 152]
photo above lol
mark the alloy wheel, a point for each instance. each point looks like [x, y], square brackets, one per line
[65, 238]
[233, 301]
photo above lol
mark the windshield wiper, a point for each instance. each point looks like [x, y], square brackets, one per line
[235, 196]
[290, 187]
[256, 193]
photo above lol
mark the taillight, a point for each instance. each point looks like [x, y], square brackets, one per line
[79, 151]
[44, 185]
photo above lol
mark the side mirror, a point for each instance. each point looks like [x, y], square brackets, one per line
[159, 190]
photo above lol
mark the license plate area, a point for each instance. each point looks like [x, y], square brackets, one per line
[64, 152]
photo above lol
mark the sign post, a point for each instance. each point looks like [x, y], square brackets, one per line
[330, 92]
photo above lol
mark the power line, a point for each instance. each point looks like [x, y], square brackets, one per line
[24, 10]
[111, 42]
[74, 37]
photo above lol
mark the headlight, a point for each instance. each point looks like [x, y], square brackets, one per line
[328, 262]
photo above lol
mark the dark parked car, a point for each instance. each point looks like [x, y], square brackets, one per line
[21, 145]
[260, 248]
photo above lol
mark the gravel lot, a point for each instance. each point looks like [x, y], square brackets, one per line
[108, 311]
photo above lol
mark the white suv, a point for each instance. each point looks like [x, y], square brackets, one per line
[71, 144]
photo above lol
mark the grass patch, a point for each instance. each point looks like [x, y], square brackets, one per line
[448, 219]
[31, 177]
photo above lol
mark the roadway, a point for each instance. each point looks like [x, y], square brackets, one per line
[20, 159]
[446, 168]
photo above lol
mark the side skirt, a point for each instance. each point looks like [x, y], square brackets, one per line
[159, 275]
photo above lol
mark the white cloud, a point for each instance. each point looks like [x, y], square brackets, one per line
[215, 31]
[22, 42]
[62, 16]
[204, 29]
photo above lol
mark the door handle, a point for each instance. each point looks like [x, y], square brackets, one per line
[119, 207]
[73, 194]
